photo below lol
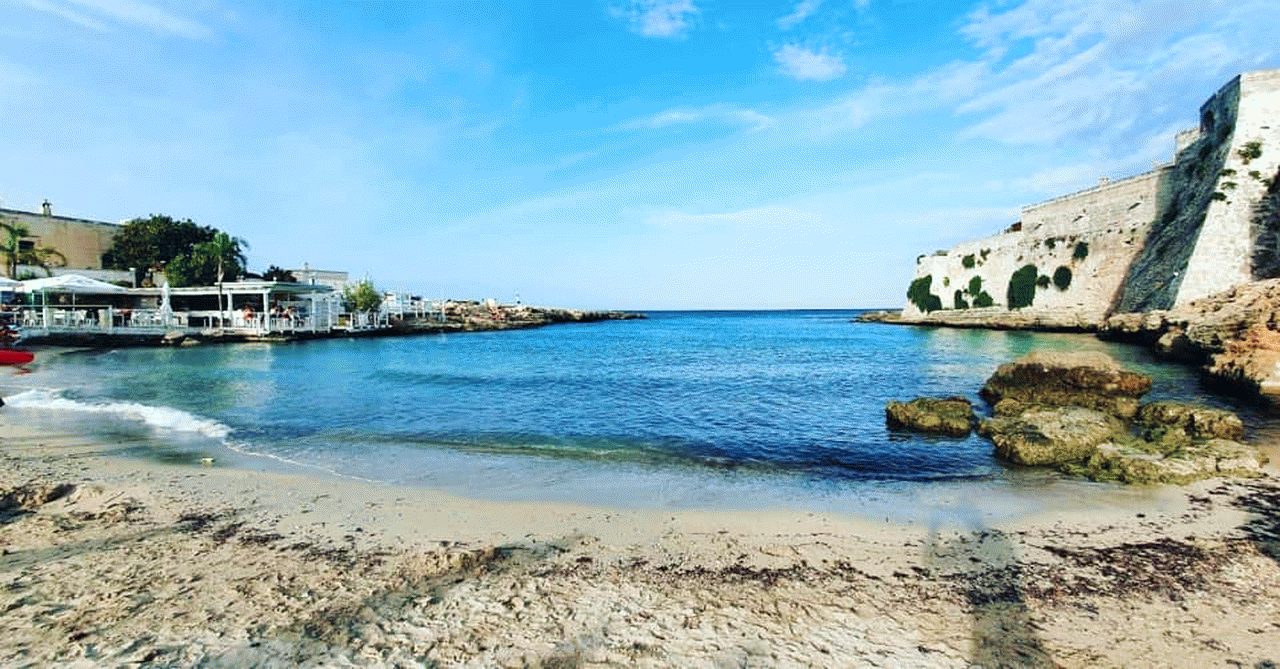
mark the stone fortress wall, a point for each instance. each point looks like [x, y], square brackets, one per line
[1159, 239]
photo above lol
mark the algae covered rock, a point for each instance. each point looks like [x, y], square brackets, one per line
[1197, 422]
[952, 416]
[1052, 379]
[1051, 436]
[1132, 463]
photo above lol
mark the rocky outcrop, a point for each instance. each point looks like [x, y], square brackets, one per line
[1235, 335]
[1134, 464]
[1080, 413]
[1055, 436]
[951, 416]
[1076, 379]
[1196, 422]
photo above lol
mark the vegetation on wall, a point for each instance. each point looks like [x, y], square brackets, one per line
[960, 302]
[969, 261]
[1062, 277]
[983, 300]
[1043, 281]
[1250, 152]
[1022, 287]
[919, 294]
[1081, 251]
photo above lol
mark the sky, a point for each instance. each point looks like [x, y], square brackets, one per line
[639, 154]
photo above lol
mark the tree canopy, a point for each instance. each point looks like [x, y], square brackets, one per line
[362, 296]
[190, 254]
[219, 259]
[274, 273]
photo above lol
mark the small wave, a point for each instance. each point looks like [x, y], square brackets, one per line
[163, 418]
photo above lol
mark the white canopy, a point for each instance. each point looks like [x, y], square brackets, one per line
[6, 282]
[69, 283]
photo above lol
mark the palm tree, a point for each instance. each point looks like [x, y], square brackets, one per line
[228, 251]
[14, 254]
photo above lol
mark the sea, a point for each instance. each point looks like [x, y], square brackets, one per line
[682, 410]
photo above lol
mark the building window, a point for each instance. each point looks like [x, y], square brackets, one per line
[26, 245]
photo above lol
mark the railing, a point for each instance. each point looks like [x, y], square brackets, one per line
[91, 318]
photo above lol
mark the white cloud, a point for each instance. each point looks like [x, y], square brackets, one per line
[803, 10]
[807, 65]
[658, 18]
[718, 113]
[104, 15]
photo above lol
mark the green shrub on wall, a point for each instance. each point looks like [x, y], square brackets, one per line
[1042, 281]
[1062, 277]
[960, 301]
[1022, 287]
[975, 286]
[1081, 252]
[983, 300]
[919, 294]
[969, 261]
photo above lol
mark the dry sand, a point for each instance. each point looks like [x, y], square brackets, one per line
[115, 561]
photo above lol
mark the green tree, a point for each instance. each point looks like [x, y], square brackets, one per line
[362, 296]
[274, 273]
[16, 253]
[208, 263]
[152, 243]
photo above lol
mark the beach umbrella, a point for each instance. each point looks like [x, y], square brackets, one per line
[166, 311]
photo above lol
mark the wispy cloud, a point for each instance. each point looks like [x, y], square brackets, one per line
[718, 113]
[804, 64]
[657, 18]
[108, 15]
[803, 10]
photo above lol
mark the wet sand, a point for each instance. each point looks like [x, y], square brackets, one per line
[110, 560]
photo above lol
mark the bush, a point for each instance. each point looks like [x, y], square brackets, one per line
[1218, 196]
[1229, 185]
[1022, 287]
[1081, 251]
[919, 294]
[1042, 281]
[983, 300]
[1051, 243]
[968, 261]
[1062, 277]
[960, 301]
[975, 286]
[362, 296]
[1250, 152]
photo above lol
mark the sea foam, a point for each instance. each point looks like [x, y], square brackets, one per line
[158, 417]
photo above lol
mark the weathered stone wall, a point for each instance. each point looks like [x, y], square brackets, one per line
[1106, 223]
[1195, 227]
[82, 241]
[1224, 252]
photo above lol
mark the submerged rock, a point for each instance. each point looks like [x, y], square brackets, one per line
[1197, 422]
[1081, 379]
[1134, 464]
[952, 416]
[1050, 436]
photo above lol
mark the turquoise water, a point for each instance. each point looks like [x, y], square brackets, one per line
[682, 409]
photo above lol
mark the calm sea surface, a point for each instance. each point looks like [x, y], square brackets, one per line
[681, 410]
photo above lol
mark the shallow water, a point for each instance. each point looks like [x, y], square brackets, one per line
[738, 409]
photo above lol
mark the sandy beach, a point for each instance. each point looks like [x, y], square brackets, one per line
[110, 560]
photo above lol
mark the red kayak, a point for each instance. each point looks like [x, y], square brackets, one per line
[9, 356]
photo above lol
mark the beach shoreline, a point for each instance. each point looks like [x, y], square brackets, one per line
[109, 560]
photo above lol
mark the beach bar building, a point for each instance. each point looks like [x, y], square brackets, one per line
[72, 305]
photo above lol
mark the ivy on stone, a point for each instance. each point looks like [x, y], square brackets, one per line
[1022, 287]
[919, 294]
[1062, 277]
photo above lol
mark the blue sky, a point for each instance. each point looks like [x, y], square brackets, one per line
[607, 153]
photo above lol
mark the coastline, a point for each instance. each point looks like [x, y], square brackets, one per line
[133, 560]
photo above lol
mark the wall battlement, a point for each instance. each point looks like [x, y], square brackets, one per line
[1155, 240]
